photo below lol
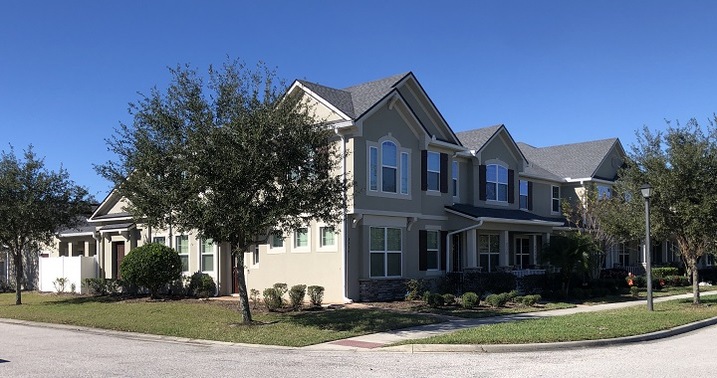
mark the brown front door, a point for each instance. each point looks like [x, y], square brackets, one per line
[117, 256]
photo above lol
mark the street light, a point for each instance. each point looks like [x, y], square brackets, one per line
[647, 193]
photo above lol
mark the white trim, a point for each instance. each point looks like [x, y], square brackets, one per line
[455, 171]
[385, 251]
[271, 250]
[589, 179]
[552, 199]
[301, 249]
[363, 212]
[319, 239]
[535, 222]
[71, 234]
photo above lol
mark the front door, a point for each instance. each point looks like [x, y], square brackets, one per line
[117, 256]
[522, 252]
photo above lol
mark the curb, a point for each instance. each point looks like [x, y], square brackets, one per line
[538, 347]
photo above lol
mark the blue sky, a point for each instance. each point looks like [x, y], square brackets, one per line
[553, 72]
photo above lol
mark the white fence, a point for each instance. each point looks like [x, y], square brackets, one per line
[75, 269]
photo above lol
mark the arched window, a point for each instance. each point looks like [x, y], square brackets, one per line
[389, 167]
[496, 183]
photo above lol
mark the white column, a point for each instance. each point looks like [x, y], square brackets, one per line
[87, 249]
[504, 249]
[69, 249]
[471, 250]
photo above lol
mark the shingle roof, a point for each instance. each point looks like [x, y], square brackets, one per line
[82, 227]
[354, 101]
[534, 170]
[500, 213]
[475, 139]
[577, 160]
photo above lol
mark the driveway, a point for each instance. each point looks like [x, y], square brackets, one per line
[48, 352]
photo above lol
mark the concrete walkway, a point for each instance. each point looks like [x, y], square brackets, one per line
[376, 340]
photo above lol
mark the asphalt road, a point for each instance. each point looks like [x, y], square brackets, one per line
[29, 351]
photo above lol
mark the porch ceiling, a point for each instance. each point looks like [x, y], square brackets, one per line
[499, 215]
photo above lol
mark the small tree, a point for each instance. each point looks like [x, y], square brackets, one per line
[35, 203]
[151, 266]
[571, 253]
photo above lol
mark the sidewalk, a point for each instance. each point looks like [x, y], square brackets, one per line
[376, 340]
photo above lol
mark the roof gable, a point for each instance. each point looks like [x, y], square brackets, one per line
[478, 139]
[576, 160]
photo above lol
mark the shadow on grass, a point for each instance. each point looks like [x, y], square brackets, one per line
[357, 320]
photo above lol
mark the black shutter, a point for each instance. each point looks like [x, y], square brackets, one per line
[530, 195]
[511, 186]
[443, 249]
[444, 173]
[481, 182]
[422, 250]
[424, 167]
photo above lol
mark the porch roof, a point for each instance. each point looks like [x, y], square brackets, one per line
[502, 215]
[117, 227]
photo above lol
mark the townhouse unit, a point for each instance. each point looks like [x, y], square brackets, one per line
[424, 201]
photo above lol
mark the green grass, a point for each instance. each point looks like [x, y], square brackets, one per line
[486, 311]
[584, 326]
[205, 319]
[666, 291]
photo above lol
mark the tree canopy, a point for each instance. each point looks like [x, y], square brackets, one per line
[233, 159]
[680, 164]
[35, 203]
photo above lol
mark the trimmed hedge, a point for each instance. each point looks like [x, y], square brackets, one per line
[151, 266]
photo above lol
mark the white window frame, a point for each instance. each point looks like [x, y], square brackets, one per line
[185, 255]
[385, 165]
[203, 252]
[255, 256]
[490, 253]
[374, 170]
[554, 200]
[385, 252]
[436, 172]
[433, 250]
[623, 253]
[320, 237]
[521, 195]
[276, 234]
[156, 237]
[497, 183]
[295, 245]
[455, 179]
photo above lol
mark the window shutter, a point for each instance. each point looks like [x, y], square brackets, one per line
[481, 182]
[530, 195]
[442, 249]
[424, 168]
[511, 186]
[444, 173]
[422, 250]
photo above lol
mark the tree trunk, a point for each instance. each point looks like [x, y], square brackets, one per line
[695, 284]
[241, 283]
[17, 255]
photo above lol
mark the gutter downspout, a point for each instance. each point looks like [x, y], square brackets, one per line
[344, 257]
[448, 240]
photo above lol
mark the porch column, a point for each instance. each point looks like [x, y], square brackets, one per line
[87, 249]
[471, 250]
[534, 242]
[504, 256]
[69, 249]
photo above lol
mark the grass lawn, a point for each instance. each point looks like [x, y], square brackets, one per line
[213, 320]
[484, 311]
[585, 326]
[667, 291]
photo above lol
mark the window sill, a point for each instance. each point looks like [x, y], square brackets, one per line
[496, 202]
[374, 193]
[436, 193]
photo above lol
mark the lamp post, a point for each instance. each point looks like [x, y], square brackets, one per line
[647, 193]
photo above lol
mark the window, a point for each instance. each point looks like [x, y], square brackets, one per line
[160, 240]
[523, 194]
[433, 171]
[522, 253]
[623, 255]
[373, 168]
[182, 247]
[206, 254]
[327, 236]
[432, 249]
[454, 175]
[385, 251]
[556, 199]
[604, 192]
[388, 169]
[277, 239]
[489, 250]
[301, 237]
[496, 183]
[255, 255]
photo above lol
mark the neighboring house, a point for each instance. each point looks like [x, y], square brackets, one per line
[424, 201]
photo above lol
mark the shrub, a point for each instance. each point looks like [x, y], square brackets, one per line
[677, 281]
[6, 287]
[272, 299]
[60, 283]
[435, 300]
[497, 300]
[316, 295]
[73, 287]
[296, 296]
[664, 271]
[254, 297]
[281, 288]
[635, 291]
[577, 293]
[470, 300]
[201, 285]
[413, 288]
[96, 286]
[511, 295]
[449, 299]
[494, 282]
[152, 266]
[426, 295]
[529, 300]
